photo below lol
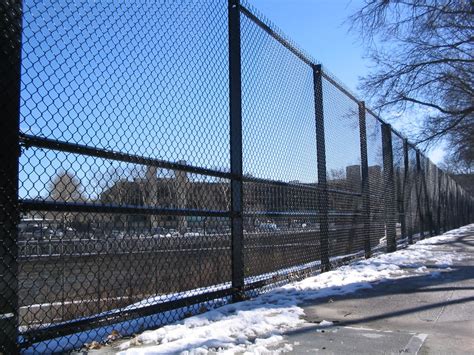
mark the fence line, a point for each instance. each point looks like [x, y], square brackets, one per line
[163, 159]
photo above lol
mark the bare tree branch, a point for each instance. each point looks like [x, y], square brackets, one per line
[423, 52]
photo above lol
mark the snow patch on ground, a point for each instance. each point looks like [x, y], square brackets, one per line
[257, 325]
[326, 323]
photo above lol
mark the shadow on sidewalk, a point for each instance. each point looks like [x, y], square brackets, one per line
[435, 281]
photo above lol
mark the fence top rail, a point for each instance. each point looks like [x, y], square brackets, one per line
[260, 20]
[341, 87]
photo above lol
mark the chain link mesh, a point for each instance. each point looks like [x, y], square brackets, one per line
[343, 165]
[377, 174]
[120, 213]
[398, 147]
[279, 158]
[137, 88]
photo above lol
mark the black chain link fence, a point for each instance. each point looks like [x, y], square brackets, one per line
[162, 159]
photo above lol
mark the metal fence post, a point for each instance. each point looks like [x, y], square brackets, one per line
[235, 112]
[455, 206]
[419, 188]
[457, 211]
[400, 181]
[438, 202]
[446, 203]
[408, 207]
[323, 200]
[10, 20]
[466, 209]
[389, 188]
[364, 179]
[451, 204]
[428, 210]
[447, 198]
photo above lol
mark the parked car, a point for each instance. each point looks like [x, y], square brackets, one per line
[268, 227]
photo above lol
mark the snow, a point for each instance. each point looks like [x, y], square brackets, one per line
[257, 326]
[326, 323]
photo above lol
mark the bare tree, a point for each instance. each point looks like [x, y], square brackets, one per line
[423, 51]
[461, 159]
[337, 174]
[455, 165]
[65, 187]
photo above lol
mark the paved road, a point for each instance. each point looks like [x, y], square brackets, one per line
[415, 315]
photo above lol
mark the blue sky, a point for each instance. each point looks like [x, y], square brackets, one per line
[319, 28]
[152, 80]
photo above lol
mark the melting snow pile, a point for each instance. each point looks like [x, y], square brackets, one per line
[256, 325]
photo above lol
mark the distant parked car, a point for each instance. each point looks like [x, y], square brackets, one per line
[44, 233]
[268, 227]
[172, 233]
[36, 228]
[157, 230]
[192, 234]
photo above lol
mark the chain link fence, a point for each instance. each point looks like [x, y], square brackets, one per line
[162, 159]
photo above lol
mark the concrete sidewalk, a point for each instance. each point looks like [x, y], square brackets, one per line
[429, 314]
